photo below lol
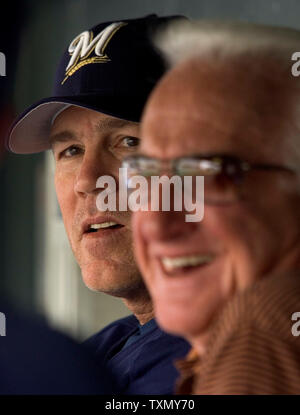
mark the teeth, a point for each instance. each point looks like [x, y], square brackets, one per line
[185, 261]
[102, 225]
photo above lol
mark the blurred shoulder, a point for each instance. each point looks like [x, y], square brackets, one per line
[254, 345]
[269, 305]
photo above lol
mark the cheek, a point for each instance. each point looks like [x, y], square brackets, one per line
[249, 240]
[140, 246]
[65, 196]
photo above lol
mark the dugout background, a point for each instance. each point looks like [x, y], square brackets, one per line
[38, 272]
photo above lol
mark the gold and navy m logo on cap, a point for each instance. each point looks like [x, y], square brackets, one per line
[82, 47]
[119, 88]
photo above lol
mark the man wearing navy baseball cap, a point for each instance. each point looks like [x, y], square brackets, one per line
[91, 123]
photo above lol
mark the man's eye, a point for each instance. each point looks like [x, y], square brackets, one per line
[130, 141]
[70, 152]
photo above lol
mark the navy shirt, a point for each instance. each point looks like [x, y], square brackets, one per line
[139, 358]
[34, 359]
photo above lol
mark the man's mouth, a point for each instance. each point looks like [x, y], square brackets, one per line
[183, 263]
[94, 227]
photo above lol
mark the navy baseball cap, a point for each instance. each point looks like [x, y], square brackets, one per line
[110, 68]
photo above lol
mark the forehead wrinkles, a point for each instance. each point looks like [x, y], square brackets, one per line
[72, 123]
[231, 97]
[109, 123]
[76, 123]
[260, 79]
[253, 86]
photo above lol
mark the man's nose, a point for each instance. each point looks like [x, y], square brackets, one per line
[163, 225]
[91, 168]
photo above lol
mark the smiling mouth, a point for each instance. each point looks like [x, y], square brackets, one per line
[178, 264]
[95, 227]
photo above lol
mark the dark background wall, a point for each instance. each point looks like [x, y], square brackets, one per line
[47, 26]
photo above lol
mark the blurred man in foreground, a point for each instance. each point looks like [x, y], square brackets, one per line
[228, 111]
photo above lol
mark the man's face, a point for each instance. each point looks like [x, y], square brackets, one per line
[86, 145]
[199, 109]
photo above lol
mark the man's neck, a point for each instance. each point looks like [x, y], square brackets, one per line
[141, 306]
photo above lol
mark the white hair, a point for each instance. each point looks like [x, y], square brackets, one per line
[226, 40]
[182, 40]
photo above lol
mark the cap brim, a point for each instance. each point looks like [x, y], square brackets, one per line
[30, 132]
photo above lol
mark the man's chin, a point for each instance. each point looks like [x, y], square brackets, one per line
[118, 288]
[127, 292]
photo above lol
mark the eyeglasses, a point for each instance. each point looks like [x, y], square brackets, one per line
[226, 178]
